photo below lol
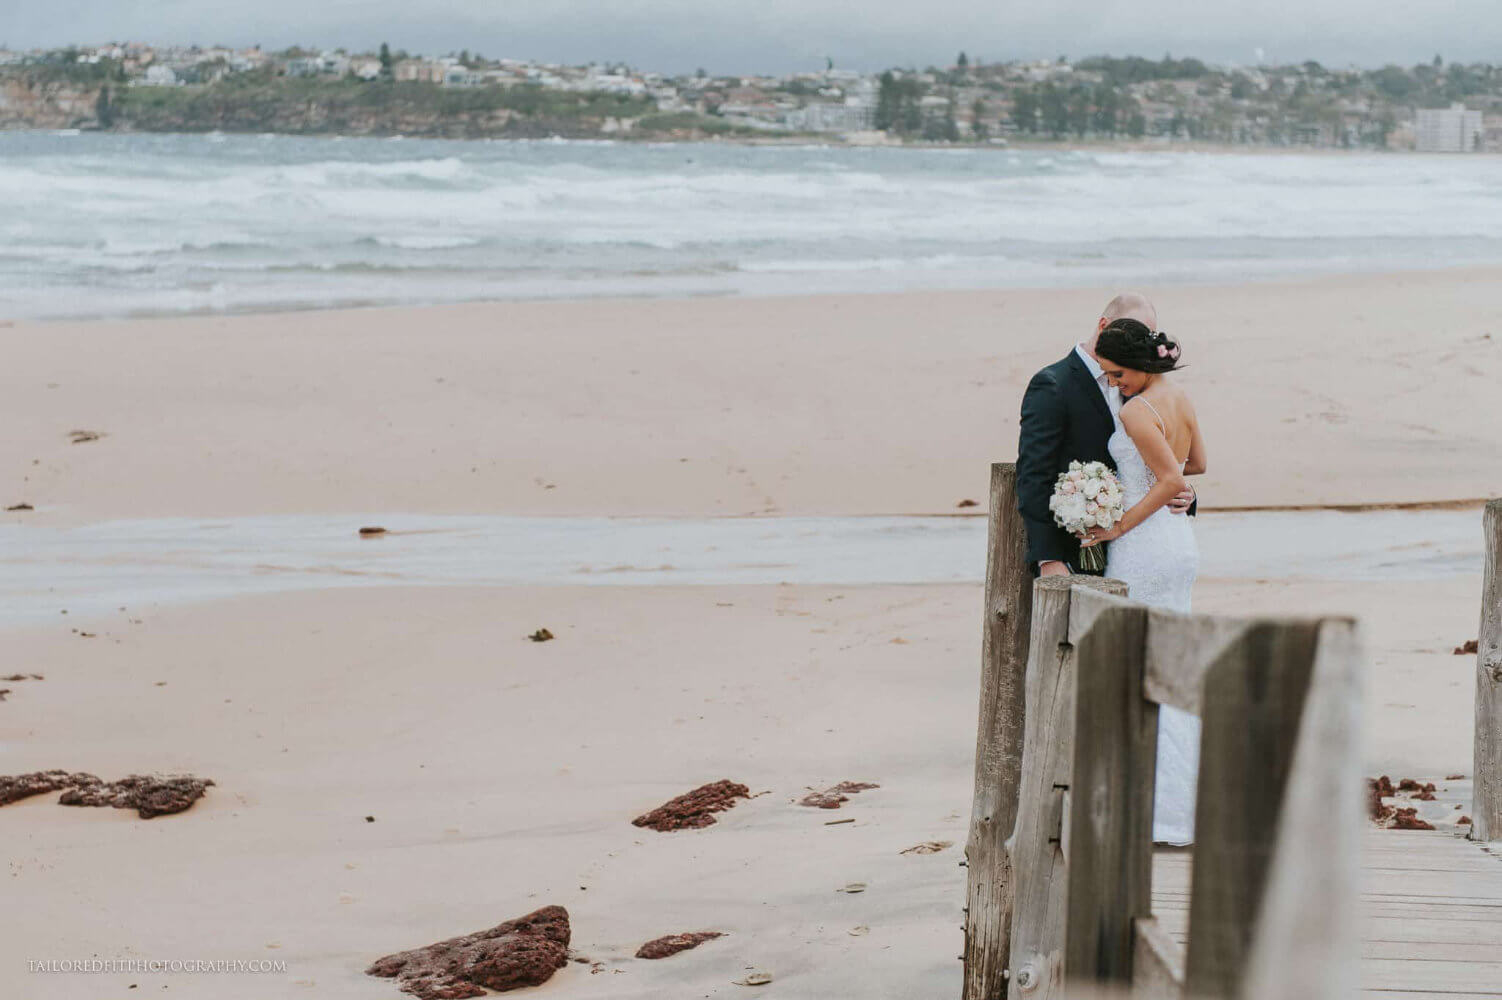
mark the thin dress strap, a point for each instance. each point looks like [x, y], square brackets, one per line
[1161, 425]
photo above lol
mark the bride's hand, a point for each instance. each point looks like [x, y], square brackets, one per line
[1099, 536]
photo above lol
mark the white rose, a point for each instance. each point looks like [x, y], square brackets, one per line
[1075, 467]
[1090, 521]
[1091, 489]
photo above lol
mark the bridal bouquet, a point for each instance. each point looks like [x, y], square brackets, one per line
[1087, 496]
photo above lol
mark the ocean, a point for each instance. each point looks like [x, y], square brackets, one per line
[115, 225]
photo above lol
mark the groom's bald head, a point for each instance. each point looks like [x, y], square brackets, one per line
[1127, 305]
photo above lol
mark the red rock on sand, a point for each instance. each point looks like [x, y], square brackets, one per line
[521, 952]
[1463, 821]
[830, 798]
[1384, 786]
[15, 787]
[148, 795]
[672, 944]
[694, 809]
[1408, 819]
[1374, 807]
[1467, 647]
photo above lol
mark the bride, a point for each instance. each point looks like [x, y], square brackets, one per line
[1156, 444]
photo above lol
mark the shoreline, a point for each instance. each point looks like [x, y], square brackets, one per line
[1478, 271]
[812, 140]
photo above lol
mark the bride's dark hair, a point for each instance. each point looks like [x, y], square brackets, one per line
[1130, 344]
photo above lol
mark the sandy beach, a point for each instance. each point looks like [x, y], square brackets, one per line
[1358, 390]
[500, 775]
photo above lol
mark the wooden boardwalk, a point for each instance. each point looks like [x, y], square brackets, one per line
[1431, 912]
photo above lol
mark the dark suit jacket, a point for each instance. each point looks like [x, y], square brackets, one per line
[1064, 419]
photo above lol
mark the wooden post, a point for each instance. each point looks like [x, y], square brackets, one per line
[1110, 813]
[998, 743]
[1035, 847]
[1305, 946]
[1486, 811]
[1253, 701]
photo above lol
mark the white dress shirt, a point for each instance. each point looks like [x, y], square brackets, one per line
[1112, 394]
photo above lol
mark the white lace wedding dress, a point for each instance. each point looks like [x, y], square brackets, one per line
[1158, 561]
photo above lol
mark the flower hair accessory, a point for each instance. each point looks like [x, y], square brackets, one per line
[1162, 350]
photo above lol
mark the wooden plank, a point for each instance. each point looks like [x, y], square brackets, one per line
[1422, 909]
[1036, 844]
[1428, 930]
[1253, 699]
[1431, 951]
[998, 743]
[1481, 977]
[1180, 647]
[1088, 605]
[1487, 808]
[1110, 854]
[1305, 944]
[1418, 995]
[1157, 962]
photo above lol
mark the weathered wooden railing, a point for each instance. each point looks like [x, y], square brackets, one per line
[1060, 851]
[1487, 812]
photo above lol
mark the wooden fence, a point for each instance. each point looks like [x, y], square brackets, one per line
[1487, 812]
[1060, 849]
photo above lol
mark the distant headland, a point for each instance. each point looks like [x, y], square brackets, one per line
[1131, 102]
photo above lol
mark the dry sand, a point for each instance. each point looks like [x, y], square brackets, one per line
[503, 775]
[1347, 390]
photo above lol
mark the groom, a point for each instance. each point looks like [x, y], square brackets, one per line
[1068, 415]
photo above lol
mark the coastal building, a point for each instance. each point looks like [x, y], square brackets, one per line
[420, 71]
[365, 67]
[159, 76]
[457, 75]
[1448, 130]
[832, 118]
[307, 66]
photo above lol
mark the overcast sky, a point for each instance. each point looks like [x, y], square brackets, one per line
[745, 36]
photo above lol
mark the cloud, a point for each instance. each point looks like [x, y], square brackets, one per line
[783, 35]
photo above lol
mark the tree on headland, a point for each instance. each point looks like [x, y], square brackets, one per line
[1025, 110]
[963, 62]
[1053, 105]
[897, 107]
[103, 113]
[978, 125]
[387, 68]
